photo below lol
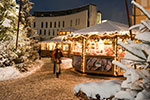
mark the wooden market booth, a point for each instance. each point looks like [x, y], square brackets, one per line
[94, 48]
[49, 45]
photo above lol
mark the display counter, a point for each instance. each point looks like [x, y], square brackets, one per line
[48, 47]
[96, 56]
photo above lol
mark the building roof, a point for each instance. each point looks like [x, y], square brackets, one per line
[56, 39]
[61, 12]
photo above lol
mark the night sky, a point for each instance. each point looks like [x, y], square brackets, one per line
[114, 10]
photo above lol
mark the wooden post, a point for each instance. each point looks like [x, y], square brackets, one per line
[128, 16]
[83, 54]
[134, 13]
[116, 55]
[19, 18]
[69, 50]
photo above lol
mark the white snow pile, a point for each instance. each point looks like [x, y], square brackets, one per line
[102, 89]
[66, 63]
[8, 73]
[12, 73]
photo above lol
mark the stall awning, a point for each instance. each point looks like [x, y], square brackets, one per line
[56, 39]
[106, 28]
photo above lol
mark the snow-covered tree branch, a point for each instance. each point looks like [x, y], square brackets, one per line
[137, 84]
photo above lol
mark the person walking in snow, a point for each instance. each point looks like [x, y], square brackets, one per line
[57, 61]
[53, 61]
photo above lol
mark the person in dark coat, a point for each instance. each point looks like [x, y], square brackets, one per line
[53, 60]
[57, 61]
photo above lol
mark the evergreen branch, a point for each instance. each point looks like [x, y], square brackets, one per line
[136, 54]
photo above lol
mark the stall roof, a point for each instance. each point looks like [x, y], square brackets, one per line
[56, 39]
[108, 27]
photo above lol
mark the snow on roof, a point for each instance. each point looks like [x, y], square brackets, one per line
[68, 29]
[56, 39]
[106, 27]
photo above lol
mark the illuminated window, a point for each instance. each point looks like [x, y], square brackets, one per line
[41, 24]
[57, 31]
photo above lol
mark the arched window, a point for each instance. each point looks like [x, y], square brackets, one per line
[54, 24]
[34, 24]
[46, 25]
[40, 32]
[53, 32]
[50, 24]
[49, 32]
[70, 23]
[44, 32]
[59, 24]
[41, 24]
[63, 24]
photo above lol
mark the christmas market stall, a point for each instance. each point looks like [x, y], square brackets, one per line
[48, 46]
[94, 48]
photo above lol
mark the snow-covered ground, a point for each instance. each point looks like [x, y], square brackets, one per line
[66, 63]
[12, 73]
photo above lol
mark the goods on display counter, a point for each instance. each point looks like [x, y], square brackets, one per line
[48, 46]
[94, 48]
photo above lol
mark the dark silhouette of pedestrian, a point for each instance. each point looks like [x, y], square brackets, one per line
[57, 61]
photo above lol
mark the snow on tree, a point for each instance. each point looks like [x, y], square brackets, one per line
[137, 83]
[27, 17]
[27, 48]
[8, 19]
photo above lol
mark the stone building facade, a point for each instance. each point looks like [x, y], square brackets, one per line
[137, 15]
[48, 23]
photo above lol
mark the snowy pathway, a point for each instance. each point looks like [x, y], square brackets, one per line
[43, 85]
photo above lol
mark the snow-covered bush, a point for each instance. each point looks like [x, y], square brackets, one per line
[137, 83]
[101, 90]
